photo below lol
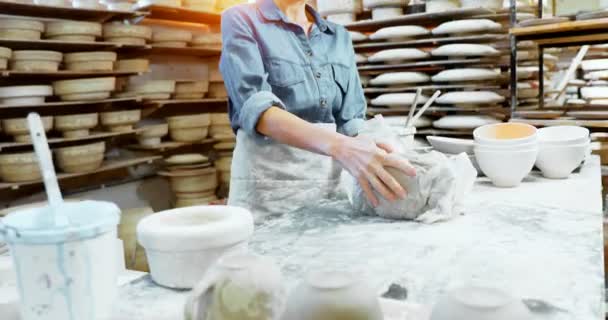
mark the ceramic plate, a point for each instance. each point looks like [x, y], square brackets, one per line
[451, 145]
[188, 158]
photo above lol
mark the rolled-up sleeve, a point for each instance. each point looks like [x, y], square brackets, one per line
[351, 117]
[245, 78]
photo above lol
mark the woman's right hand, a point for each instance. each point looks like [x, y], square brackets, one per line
[365, 160]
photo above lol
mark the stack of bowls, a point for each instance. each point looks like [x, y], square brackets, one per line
[562, 149]
[506, 152]
[193, 180]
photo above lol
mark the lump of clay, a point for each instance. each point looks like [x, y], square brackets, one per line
[435, 194]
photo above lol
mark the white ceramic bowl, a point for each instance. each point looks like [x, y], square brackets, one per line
[558, 162]
[505, 134]
[181, 244]
[517, 147]
[563, 135]
[451, 145]
[506, 169]
[475, 303]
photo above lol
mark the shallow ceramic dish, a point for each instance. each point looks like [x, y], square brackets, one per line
[558, 162]
[120, 121]
[505, 134]
[451, 145]
[563, 135]
[463, 122]
[466, 26]
[506, 169]
[83, 158]
[594, 93]
[398, 55]
[19, 167]
[476, 303]
[539, 114]
[181, 244]
[77, 125]
[399, 32]
[18, 127]
[397, 99]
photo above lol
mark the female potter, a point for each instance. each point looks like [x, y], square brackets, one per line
[297, 105]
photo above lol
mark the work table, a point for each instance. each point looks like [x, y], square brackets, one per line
[540, 241]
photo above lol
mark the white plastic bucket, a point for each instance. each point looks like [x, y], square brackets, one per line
[69, 273]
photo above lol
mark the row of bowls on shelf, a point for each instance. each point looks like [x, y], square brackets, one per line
[507, 152]
[185, 246]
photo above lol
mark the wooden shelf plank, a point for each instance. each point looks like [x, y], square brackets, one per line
[417, 18]
[435, 110]
[64, 74]
[376, 46]
[555, 29]
[70, 103]
[108, 165]
[181, 14]
[426, 64]
[197, 52]
[168, 145]
[567, 121]
[162, 103]
[480, 85]
[33, 10]
[63, 46]
[55, 141]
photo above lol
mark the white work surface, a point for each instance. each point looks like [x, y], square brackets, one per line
[540, 241]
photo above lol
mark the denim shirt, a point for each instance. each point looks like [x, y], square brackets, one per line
[267, 61]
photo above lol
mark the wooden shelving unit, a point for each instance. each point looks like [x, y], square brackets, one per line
[63, 74]
[169, 145]
[195, 52]
[108, 165]
[61, 104]
[34, 10]
[180, 14]
[426, 42]
[58, 141]
[427, 65]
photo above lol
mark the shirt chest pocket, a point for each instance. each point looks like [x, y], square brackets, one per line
[341, 74]
[282, 73]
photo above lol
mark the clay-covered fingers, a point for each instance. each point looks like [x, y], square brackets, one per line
[367, 189]
[389, 181]
[397, 162]
[379, 186]
[386, 147]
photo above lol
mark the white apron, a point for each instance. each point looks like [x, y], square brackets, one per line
[270, 178]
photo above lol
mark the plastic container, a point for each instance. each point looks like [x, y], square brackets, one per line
[65, 273]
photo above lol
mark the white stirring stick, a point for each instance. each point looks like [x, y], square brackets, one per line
[413, 108]
[41, 146]
[426, 106]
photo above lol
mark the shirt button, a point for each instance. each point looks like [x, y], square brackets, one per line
[318, 75]
[309, 53]
[323, 102]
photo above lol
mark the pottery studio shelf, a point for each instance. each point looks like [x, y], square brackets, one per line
[597, 124]
[159, 12]
[163, 103]
[427, 42]
[63, 74]
[435, 110]
[426, 65]
[417, 19]
[169, 145]
[59, 141]
[108, 165]
[195, 52]
[34, 10]
[431, 87]
[568, 33]
[63, 46]
[60, 104]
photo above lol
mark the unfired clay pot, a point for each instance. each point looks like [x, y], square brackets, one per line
[18, 29]
[24, 95]
[192, 181]
[190, 128]
[151, 135]
[72, 31]
[84, 89]
[36, 60]
[19, 167]
[19, 129]
[243, 286]
[120, 121]
[333, 295]
[83, 158]
[77, 125]
[90, 61]
[127, 34]
[181, 244]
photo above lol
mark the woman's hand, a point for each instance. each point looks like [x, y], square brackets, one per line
[365, 160]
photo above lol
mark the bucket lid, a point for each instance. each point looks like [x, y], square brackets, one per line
[88, 219]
